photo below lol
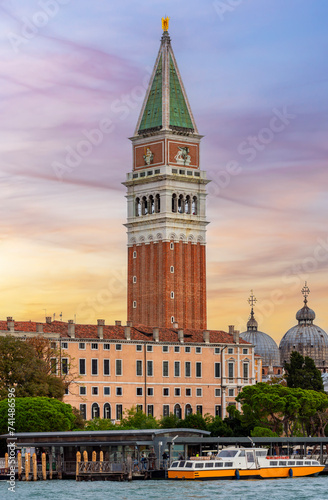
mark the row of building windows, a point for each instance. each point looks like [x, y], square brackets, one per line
[177, 372]
[149, 347]
[108, 413]
[150, 391]
[148, 205]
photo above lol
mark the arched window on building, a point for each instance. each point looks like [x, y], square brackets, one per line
[107, 411]
[137, 207]
[151, 204]
[181, 206]
[177, 411]
[188, 410]
[174, 203]
[194, 205]
[188, 205]
[144, 206]
[95, 413]
[157, 204]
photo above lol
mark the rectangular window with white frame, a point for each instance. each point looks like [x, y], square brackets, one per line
[83, 390]
[198, 369]
[217, 370]
[166, 391]
[139, 367]
[245, 371]
[82, 346]
[217, 393]
[106, 367]
[187, 369]
[139, 391]
[150, 371]
[177, 368]
[65, 366]
[199, 392]
[177, 391]
[82, 366]
[118, 367]
[231, 370]
[53, 366]
[165, 368]
[94, 366]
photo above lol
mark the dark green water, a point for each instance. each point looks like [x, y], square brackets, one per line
[275, 489]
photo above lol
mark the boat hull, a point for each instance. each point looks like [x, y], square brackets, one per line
[262, 473]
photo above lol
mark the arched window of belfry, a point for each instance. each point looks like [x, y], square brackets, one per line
[181, 204]
[138, 207]
[174, 203]
[188, 205]
[144, 206]
[194, 205]
[151, 204]
[157, 204]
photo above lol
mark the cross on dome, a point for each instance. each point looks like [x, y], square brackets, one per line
[305, 292]
[252, 300]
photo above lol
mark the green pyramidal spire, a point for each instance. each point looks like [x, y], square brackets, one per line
[166, 105]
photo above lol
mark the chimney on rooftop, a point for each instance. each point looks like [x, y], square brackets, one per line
[39, 328]
[231, 329]
[236, 336]
[100, 328]
[71, 329]
[10, 324]
[206, 336]
[48, 320]
[156, 334]
[118, 323]
[129, 323]
[127, 332]
[175, 325]
[180, 336]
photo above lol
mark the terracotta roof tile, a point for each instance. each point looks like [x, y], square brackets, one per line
[112, 332]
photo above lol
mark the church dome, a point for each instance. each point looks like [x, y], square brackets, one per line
[305, 337]
[265, 346]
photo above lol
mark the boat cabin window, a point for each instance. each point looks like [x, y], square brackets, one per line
[292, 462]
[307, 463]
[228, 453]
[181, 464]
[273, 462]
[282, 462]
[261, 453]
[188, 464]
[175, 464]
[228, 464]
[208, 465]
[242, 453]
[314, 462]
[199, 466]
[218, 464]
[298, 462]
[250, 456]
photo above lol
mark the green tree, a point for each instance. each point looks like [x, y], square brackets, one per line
[100, 424]
[169, 421]
[137, 419]
[23, 369]
[302, 372]
[194, 421]
[38, 415]
[218, 427]
[262, 432]
[293, 411]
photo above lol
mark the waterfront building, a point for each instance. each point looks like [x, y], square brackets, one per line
[159, 370]
[306, 338]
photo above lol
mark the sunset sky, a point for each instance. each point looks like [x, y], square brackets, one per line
[255, 72]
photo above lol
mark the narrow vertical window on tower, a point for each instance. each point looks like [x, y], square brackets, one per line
[181, 204]
[144, 206]
[151, 204]
[137, 207]
[188, 205]
[171, 245]
[194, 205]
[157, 204]
[174, 203]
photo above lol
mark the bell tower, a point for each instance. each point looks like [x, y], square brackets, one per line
[166, 196]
